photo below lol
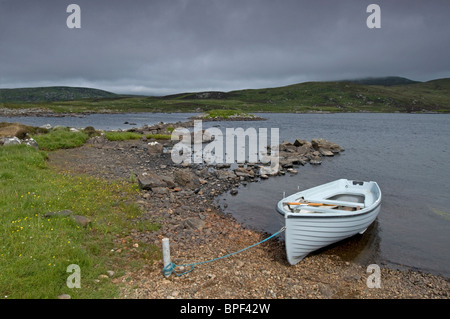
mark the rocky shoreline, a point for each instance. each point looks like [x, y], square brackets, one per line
[181, 198]
[44, 112]
[206, 118]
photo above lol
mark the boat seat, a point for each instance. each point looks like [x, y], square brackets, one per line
[337, 203]
[325, 209]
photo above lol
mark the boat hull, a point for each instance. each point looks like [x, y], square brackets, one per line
[305, 235]
[307, 231]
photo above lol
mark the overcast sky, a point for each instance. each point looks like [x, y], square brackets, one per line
[158, 47]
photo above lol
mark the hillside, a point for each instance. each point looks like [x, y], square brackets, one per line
[396, 95]
[339, 96]
[51, 94]
[384, 81]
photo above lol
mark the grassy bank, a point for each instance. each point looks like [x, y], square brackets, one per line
[36, 250]
[124, 136]
[64, 138]
[60, 138]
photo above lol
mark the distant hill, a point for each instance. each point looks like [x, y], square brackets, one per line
[388, 94]
[384, 81]
[51, 94]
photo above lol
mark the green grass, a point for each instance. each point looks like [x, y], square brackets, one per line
[225, 114]
[158, 136]
[122, 136]
[35, 251]
[60, 138]
[63, 138]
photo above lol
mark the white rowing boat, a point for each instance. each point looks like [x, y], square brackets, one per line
[325, 214]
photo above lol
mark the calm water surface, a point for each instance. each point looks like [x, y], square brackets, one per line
[406, 154]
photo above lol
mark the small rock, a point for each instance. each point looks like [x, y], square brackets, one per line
[194, 223]
[31, 142]
[63, 213]
[325, 290]
[325, 152]
[186, 179]
[81, 220]
[160, 190]
[148, 181]
[244, 172]
[11, 141]
[64, 296]
[318, 144]
[46, 126]
[155, 148]
[298, 142]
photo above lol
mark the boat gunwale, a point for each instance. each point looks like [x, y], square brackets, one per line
[336, 214]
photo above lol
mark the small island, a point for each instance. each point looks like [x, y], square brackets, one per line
[227, 115]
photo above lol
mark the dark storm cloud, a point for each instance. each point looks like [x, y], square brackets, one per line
[169, 46]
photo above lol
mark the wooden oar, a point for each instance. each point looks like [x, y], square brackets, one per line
[309, 204]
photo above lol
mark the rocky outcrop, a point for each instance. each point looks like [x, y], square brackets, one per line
[16, 141]
[302, 152]
[194, 177]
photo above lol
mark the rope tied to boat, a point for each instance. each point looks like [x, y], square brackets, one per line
[170, 268]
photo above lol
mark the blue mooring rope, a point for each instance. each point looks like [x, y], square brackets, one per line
[170, 268]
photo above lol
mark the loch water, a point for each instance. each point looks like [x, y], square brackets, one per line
[406, 154]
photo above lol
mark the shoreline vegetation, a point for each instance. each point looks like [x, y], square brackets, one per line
[105, 201]
[50, 220]
[385, 95]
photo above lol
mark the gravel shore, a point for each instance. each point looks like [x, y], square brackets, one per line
[199, 231]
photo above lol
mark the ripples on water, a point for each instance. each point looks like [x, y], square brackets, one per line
[407, 154]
